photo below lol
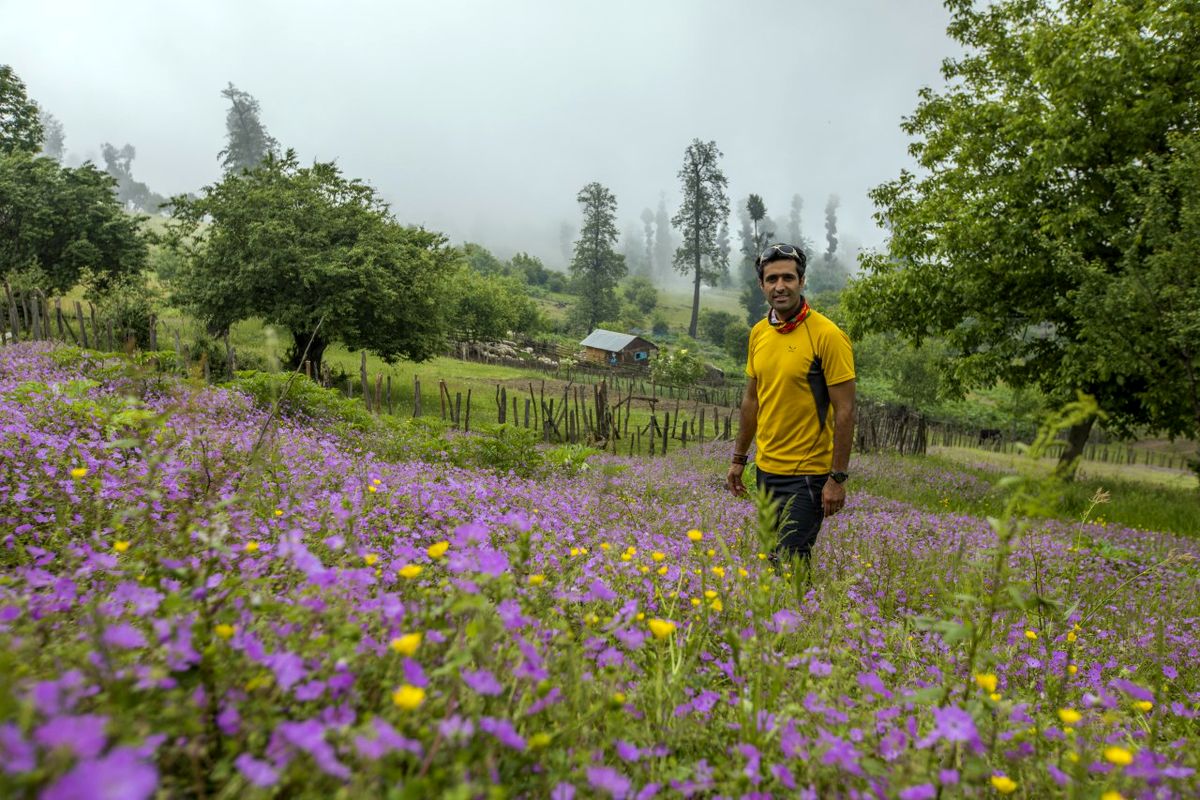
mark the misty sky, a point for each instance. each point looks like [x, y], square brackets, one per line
[484, 119]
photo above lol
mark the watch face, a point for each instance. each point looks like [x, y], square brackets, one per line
[840, 477]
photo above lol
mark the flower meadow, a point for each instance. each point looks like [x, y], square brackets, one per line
[198, 599]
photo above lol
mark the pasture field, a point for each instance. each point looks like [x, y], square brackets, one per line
[198, 598]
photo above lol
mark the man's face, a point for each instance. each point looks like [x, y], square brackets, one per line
[781, 284]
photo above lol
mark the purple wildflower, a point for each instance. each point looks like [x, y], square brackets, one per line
[258, 773]
[120, 775]
[607, 779]
[482, 682]
[83, 735]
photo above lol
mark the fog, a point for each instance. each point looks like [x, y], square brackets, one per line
[484, 119]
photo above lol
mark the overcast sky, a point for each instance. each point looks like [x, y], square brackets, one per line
[484, 119]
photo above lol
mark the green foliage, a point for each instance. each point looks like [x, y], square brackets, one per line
[713, 325]
[129, 304]
[130, 192]
[640, 292]
[680, 367]
[20, 124]
[911, 374]
[596, 266]
[302, 247]
[482, 261]
[303, 400]
[247, 140]
[64, 222]
[1037, 161]
[705, 206]
[569, 459]
[489, 306]
[500, 448]
[736, 342]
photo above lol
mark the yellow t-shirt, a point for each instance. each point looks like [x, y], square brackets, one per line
[791, 437]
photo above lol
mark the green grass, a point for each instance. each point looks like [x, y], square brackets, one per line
[967, 481]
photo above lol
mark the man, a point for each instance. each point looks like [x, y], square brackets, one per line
[799, 365]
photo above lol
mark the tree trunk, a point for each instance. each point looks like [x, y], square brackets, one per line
[1077, 437]
[316, 350]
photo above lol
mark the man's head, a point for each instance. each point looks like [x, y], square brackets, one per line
[778, 252]
[781, 275]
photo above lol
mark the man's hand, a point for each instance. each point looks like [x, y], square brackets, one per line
[833, 497]
[733, 479]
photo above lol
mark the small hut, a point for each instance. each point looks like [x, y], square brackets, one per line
[610, 347]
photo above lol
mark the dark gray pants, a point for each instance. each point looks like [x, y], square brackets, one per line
[800, 511]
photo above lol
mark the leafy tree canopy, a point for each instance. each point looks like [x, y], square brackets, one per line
[64, 224]
[20, 123]
[247, 142]
[596, 266]
[1024, 231]
[705, 206]
[297, 245]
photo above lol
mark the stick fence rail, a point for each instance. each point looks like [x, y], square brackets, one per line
[595, 407]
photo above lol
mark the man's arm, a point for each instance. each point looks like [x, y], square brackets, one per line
[747, 426]
[833, 496]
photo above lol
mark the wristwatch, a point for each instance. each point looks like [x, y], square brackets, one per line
[839, 477]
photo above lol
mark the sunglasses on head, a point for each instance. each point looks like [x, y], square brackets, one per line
[777, 251]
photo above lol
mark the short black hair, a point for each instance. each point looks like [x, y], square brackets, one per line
[779, 252]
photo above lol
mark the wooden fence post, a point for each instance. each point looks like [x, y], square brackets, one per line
[366, 386]
[416, 396]
[83, 328]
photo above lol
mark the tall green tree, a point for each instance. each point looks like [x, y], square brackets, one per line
[705, 206]
[131, 192]
[755, 236]
[302, 247]
[648, 232]
[1036, 161]
[596, 266]
[53, 139]
[664, 246]
[247, 142]
[20, 125]
[64, 224]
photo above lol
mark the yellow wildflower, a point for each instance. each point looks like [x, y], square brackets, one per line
[1118, 755]
[120, 545]
[995, 697]
[695, 601]
[1069, 716]
[409, 571]
[539, 740]
[718, 571]
[1004, 784]
[1072, 669]
[372, 489]
[574, 551]
[1112, 794]
[742, 571]
[641, 615]
[1143, 705]
[710, 552]
[762, 556]
[370, 559]
[437, 549]
[279, 512]
[662, 570]
[251, 547]
[537, 580]
[658, 556]
[1031, 635]
[407, 644]
[79, 472]
[695, 535]
[661, 628]
[605, 546]
[1072, 636]
[986, 681]
[408, 697]
[717, 605]
[643, 569]
[618, 698]
[710, 594]
[225, 631]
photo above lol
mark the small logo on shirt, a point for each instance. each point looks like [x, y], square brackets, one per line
[791, 348]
